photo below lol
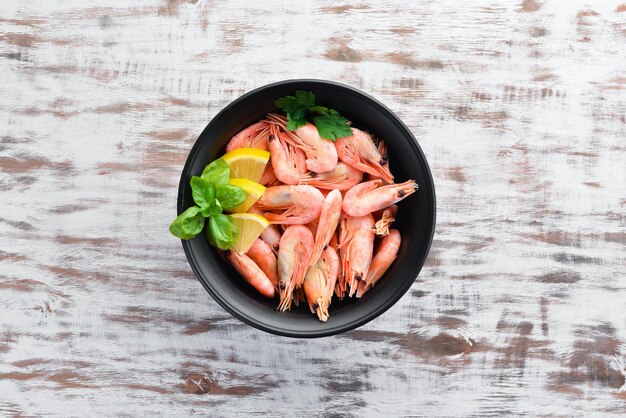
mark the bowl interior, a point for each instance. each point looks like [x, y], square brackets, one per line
[415, 220]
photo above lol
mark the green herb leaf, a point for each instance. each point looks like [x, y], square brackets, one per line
[301, 100]
[203, 194]
[217, 173]
[332, 126]
[214, 209]
[321, 110]
[230, 196]
[221, 231]
[329, 123]
[293, 124]
[188, 224]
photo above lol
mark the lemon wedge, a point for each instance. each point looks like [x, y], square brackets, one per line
[250, 227]
[247, 163]
[253, 190]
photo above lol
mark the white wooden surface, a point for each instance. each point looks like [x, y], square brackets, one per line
[519, 106]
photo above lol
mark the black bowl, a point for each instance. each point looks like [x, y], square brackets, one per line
[415, 220]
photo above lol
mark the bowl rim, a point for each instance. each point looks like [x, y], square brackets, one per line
[330, 330]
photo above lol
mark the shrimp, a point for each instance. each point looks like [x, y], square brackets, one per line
[342, 177]
[328, 220]
[313, 225]
[356, 246]
[300, 204]
[293, 255]
[250, 272]
[254, 136]
[382, 149]
[321, 153]
[368, 197]
[319, 283]
[271, 234]
[334, 243]
[299, 296]
[360, 152]
[262, 255]
[288, 162]
[334, 240]
[268, 176]
[387, 217]
[385, 255]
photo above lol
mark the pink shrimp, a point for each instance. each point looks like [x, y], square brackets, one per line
[319, 283]
[298, 296]
[293, 255]
[386, 253]
[360, 152]
[299, 204]
[342, 177]
[254, 136]
[368, 197]
[327, 225]
[355, 247]
[288, 162]
[386, 217]
[262, 255]
[382, 150]
[334, 243]
[268, 176]
[251, 272]
[313, 225]
[321, 153]
[271, 234]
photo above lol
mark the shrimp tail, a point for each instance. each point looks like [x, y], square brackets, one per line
[285, 300]
[372, 167]
[279, 218]
[291, 292]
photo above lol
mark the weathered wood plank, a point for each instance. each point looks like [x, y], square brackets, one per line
[519, 108]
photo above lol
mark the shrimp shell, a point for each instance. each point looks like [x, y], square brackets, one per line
[386, 218]
[254, 136]
[327, 224]
[299, 204]
[356, 247]
[385, 255]
[251, 272]
[343, 177]
[288, 162]
[293, 255]
[321, 153]
[360, 152]
[319, 283]
[368, 197]
[264, 257]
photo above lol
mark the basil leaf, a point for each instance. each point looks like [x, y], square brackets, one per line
[214, 209]
[203, 193]
[188, 224]
[221, 231]
[217, 173]
[230, 196]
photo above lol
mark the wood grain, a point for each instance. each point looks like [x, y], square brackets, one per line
[519, 107]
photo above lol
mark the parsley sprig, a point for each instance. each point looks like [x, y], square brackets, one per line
[212, 195]
[301, 106]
